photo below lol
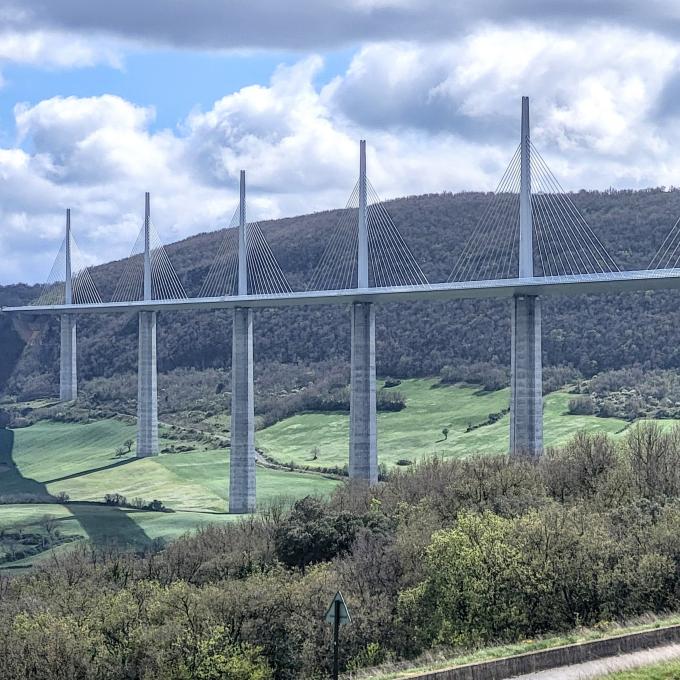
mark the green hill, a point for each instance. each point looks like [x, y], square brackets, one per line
[49, 461]
[477, 421]
[413, 340]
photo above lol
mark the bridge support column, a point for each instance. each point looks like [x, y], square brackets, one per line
[68, 365]
[363, 447]
[242, 458]
[147, 387]
[526, 382]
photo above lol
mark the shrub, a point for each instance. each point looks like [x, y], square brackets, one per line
[390, 401]
[581, 406]
[489, 375]
[115, 499]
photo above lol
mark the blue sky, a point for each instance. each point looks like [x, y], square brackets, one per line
[102, 101]
[174, 82]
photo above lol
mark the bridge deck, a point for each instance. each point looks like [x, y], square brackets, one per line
[498, 288]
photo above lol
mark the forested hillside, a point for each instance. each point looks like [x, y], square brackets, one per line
[590, 333]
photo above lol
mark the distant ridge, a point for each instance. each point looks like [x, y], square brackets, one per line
[414, 339]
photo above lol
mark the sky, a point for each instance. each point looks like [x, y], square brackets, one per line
[100, 102]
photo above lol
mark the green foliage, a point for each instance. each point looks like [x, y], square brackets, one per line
[220, 659]
[581, 406]
[490, 375]
[453, 553]
[491, 578]
[632, 393]
[312, 534]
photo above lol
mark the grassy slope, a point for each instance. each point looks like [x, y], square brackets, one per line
[439, 660]
[78, 459]
[417, 430]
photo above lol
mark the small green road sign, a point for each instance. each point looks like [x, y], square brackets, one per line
[338, 610]
[338, 615]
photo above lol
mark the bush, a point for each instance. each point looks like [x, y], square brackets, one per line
[446, 552]
[556, 377]
[581, 406]
[118, 500]
[115, 499]
[489, 375]
[390, 401]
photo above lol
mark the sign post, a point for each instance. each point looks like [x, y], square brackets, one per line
[338, 615]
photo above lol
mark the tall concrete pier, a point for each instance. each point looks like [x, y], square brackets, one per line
[242, 456]
[526, 382]
[68, 365]
[147, 385]
[363, 446]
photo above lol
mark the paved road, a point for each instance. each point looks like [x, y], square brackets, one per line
[600, 668]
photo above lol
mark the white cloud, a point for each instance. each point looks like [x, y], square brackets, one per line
[55, 49]
[595, 97]
[437, 117]
[590, 89]
[283, 132]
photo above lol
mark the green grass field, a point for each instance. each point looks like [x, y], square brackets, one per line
[416, 431]
[49, 458]
[78, 459]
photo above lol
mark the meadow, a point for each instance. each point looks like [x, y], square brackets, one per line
[417, 431]
[54, 460]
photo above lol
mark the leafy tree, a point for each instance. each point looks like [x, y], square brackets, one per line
[220, 659]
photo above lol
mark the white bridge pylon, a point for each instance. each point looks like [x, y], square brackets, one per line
[70, 280]
[148, 273]
[559, 241]
[365, 248]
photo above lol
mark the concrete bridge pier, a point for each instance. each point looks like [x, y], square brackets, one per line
[526, 381]
[242, 497]
[147, 387]
[68, 365]
[363, 445]
[147, 374]
[526, 405]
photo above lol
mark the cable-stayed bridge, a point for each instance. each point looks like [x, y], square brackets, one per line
[530, 241]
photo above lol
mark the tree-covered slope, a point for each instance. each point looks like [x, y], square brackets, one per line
[591, 332]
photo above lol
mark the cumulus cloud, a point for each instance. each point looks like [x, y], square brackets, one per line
[593, 88]
[437, 117]
[55, 49]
